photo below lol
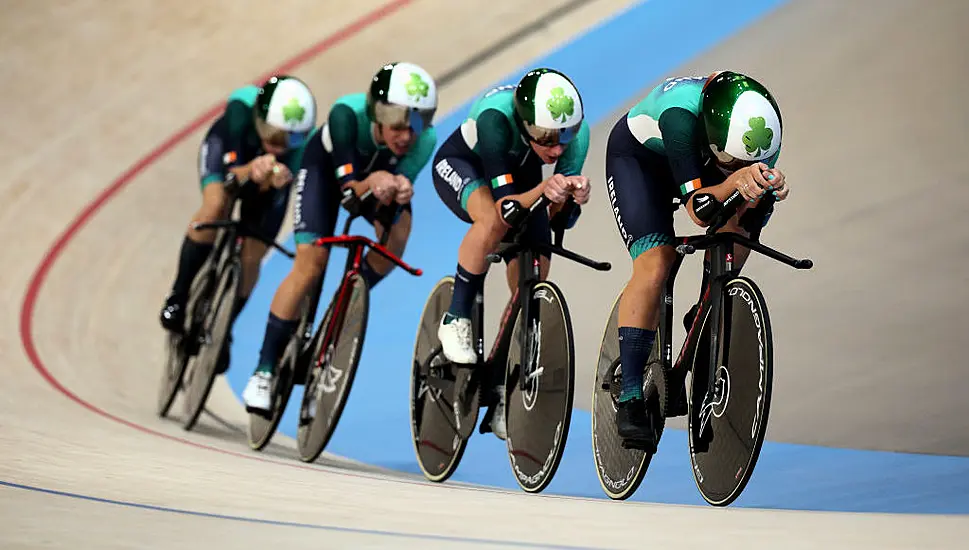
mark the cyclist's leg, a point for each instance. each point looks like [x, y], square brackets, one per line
[196, 245]
[639, 186]
[461, 186]
[265, 212]
[375, 267]
[315, 212]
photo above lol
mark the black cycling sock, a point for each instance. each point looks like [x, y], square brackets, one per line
[278, 332]
[634, 347]
[190, 259]
[369, 274]
[466, 286]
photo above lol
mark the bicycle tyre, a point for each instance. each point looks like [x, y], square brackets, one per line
[437, 444]
[544, 407]
[180, 347]
[738, 420]
[205, 364]
[621, 470]
[313, 436]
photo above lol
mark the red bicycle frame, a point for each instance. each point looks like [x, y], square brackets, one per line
[355, 245]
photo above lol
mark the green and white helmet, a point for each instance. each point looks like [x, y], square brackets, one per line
[548, 107]
[741, 119]
[402, 95]
[285, 111]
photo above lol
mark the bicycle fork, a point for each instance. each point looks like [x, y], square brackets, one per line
[528, 370]
[721, 266]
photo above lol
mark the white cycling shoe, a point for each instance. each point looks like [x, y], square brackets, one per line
[258, 392]
[456, 342]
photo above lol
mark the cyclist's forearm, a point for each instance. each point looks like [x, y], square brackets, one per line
[528, 198]
[720, 191]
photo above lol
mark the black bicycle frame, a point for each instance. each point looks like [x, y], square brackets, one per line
[721, 246]
[529, 273]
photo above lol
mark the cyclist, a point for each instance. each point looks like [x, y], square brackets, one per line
[372, 143]
[489, 171]
[258, 142]
[696, 139]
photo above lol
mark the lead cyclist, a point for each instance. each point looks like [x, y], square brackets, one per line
[697, 139]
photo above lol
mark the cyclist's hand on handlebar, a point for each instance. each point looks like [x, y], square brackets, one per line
[750, 181]
[557, 188]
[581, 190]
[384, 186]
[778, 182]
[405, 190]
[260, 168]
[280, 176]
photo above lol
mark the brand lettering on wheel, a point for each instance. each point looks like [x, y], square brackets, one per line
[614, 484]
[532, 480]
[749, 299]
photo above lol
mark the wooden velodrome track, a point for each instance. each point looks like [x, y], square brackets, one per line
[94, 87]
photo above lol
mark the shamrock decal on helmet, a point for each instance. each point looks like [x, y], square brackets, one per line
[293, 111]
[416, 86]
[560, 106]
[759, 137]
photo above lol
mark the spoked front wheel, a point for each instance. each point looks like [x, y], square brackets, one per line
[539, 388]
[214, 332]
[734, 414]
[437, 442]
[621, 469]
[181, 347]
[333, 365]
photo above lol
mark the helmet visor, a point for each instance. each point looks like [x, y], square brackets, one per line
[548, 137]
[280, 137]
[400, 117]
[728, 162]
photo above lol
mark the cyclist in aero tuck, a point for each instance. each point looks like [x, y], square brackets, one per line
[258, 141]
[489, 172]
[697, 139]
[372, 142]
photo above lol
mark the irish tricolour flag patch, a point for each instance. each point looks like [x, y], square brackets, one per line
[690, 186]
[503, 179]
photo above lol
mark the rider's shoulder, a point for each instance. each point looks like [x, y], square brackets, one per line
[356, 102]
[246, 94]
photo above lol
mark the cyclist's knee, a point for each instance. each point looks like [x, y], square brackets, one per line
[492, 226]
[652, 265]
[213, 208]
[308, 265]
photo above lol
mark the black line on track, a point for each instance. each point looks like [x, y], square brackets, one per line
[510, 40]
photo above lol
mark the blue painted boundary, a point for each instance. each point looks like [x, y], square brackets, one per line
[610, 64]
